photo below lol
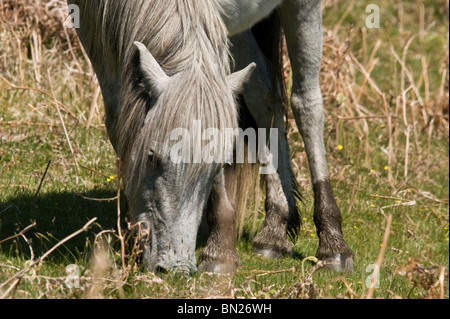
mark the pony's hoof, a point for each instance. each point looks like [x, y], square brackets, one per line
[334, 253]
[272, 253]
[272, 248]
[217, 267]
[340, 263]
[267, 253]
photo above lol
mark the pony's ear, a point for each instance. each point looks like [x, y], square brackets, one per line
[154, 77]
[238, 79]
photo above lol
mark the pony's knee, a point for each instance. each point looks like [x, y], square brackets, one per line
[307, 106]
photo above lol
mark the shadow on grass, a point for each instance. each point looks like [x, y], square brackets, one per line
[60, 214]
[57, 215]
[245, 242]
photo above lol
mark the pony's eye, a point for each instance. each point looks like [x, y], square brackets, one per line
[154, 158]
[151, 154]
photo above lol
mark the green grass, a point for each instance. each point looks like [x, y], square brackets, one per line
[31, 135]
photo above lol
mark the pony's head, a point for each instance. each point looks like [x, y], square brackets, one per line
[167, 191]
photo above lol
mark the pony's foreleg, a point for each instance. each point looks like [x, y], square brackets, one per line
[302, 23]
[265, 105]
[218, 255]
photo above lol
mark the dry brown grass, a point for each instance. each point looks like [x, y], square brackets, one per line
[35, 33]
[43, 17]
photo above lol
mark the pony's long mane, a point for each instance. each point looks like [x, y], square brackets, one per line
[189, 41]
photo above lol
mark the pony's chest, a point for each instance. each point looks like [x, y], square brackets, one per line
[242, 15]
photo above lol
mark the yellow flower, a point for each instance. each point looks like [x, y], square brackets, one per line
[372, 205]
[355, 227]
[340, 147]
[111, 178]
[386, 168]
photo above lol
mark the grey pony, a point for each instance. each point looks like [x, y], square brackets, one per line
[168, 201]
[163, 65]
